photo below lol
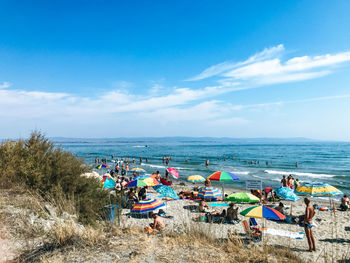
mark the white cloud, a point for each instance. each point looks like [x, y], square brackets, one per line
[5, 85]
[34, 104]
[267, 67]
[225, 66]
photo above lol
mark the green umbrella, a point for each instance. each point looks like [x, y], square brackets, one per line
[243, 198]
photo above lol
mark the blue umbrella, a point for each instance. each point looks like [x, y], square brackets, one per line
[166, 191]
[287, 194]
[109, 183]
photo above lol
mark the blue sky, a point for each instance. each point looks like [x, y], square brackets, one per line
[175, 68]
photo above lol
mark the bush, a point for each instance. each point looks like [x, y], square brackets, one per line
[38, 165]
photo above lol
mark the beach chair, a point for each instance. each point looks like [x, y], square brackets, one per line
[253, 221]
[255, 236]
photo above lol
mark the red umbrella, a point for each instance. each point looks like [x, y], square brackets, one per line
[173, 172]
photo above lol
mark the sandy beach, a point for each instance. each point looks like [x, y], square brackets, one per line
[331, 233]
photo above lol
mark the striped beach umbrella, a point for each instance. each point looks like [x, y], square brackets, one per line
[195, 178]
[174, 173]
[223, 176]
[146, 205]
[318, 189]
[142, 182]
[102, 166]
[242, 198]
[262, 211]
[210, 192]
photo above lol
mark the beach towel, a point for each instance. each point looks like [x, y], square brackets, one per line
[218, 204]
[284, 233]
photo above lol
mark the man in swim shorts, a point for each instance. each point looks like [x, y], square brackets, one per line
[309, 214]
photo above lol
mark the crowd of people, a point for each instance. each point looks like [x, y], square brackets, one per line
[122, 175]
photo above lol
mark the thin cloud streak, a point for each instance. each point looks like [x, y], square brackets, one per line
[266, 68]
[279, 103]
[225, 66]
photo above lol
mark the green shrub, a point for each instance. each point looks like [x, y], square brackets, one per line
[38, 165]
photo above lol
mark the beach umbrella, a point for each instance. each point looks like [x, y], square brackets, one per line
[146, 205]
[210, 192]
[166, 191]
[242, 198]
[174, 173]
[195, 178]
[108, 183]
[287, 194]
[262, 211]
[102, 166]
[142, 176]
[223, 176]
[318, 189]
[142, 182]
[137, 170]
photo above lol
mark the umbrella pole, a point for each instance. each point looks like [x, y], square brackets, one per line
[223, 192]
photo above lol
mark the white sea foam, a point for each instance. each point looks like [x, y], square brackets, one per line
[240, 172]
[183, 168]
[276, 179]
[153, 165]
[299, 174]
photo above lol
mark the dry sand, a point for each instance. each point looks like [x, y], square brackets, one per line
[332, 231]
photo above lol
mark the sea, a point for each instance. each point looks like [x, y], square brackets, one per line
[249, 159]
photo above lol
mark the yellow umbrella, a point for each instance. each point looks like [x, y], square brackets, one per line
[195, 178]
[317, 189]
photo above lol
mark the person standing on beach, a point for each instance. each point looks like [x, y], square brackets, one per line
[309, 214]
[284, 181]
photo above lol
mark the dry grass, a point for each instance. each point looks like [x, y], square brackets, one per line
[69, 233]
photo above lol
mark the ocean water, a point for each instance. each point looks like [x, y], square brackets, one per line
[317, 161]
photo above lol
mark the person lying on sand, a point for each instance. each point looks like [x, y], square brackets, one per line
[280, 208]
[187, 194]
[203, 206]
